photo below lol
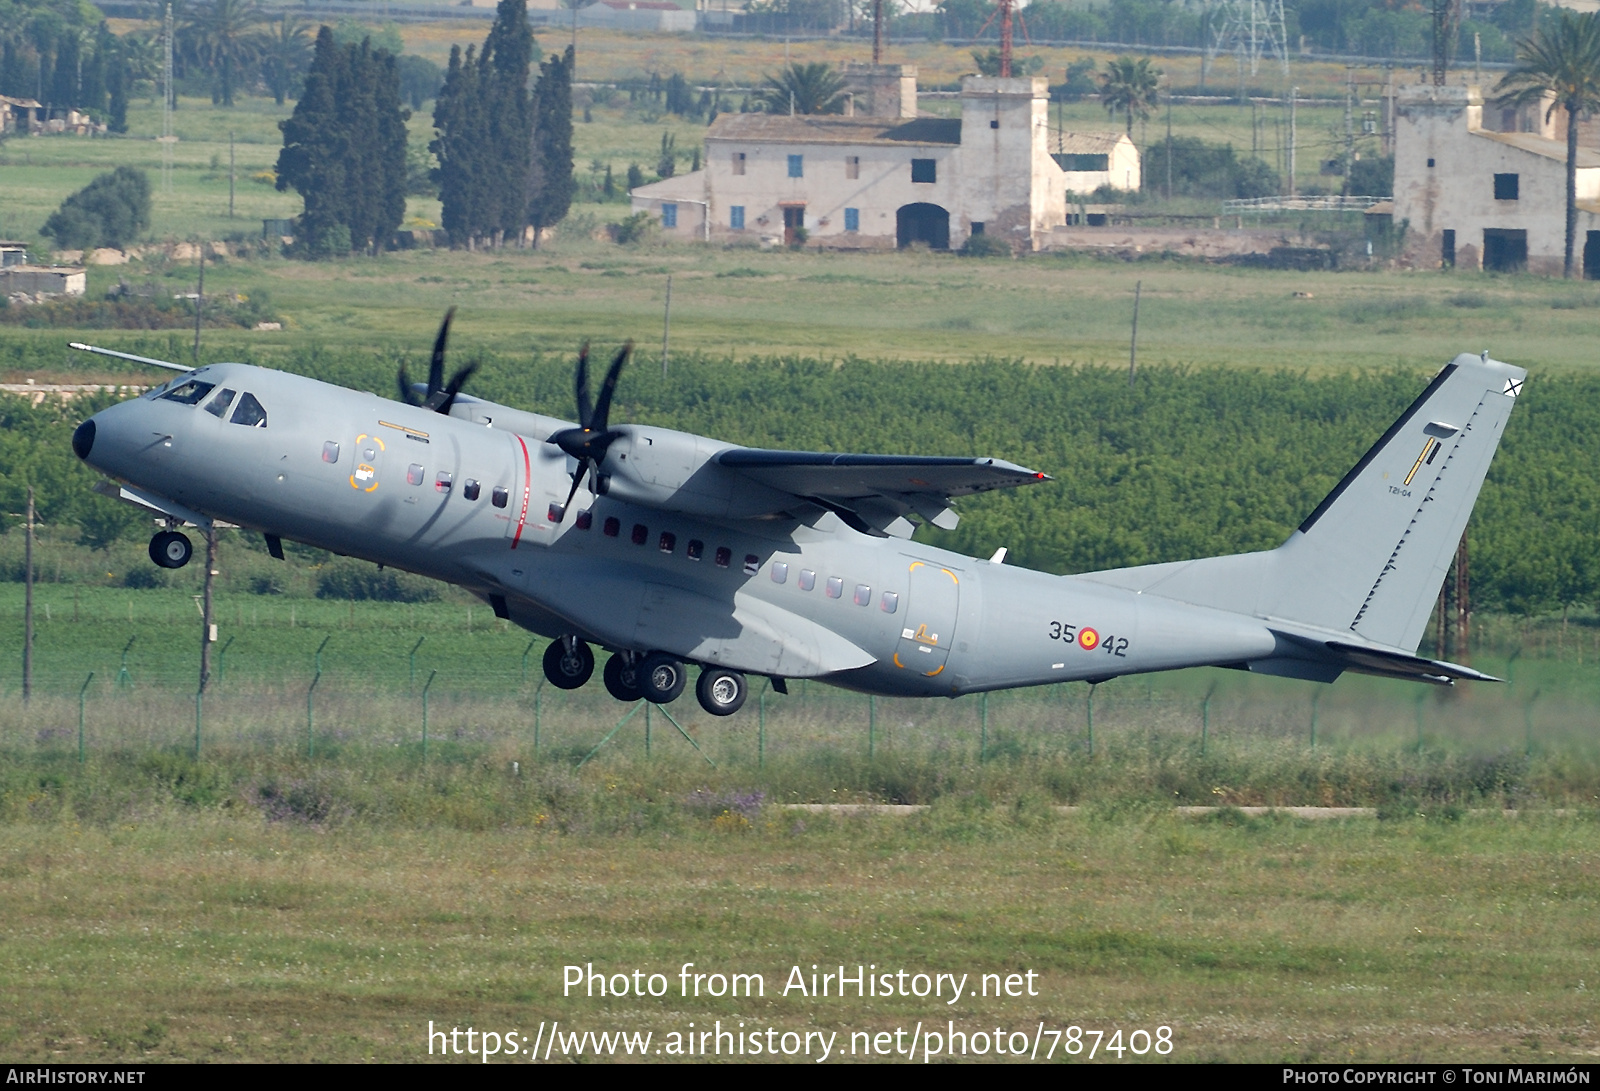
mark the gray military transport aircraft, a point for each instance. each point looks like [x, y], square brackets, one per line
[670, 549]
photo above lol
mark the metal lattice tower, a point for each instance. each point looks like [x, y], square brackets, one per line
[1249, 29]
[167, 139]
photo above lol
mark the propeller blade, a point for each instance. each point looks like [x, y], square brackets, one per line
[407, 395]
[602, 408]
[585, 409]
[442, 401]
[436, 365]
[576, 478]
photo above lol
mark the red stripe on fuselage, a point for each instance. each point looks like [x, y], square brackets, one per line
[527, 486]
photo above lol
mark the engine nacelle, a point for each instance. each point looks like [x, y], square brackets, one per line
[675, 471]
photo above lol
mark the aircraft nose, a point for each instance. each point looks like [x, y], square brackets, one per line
[83, 439]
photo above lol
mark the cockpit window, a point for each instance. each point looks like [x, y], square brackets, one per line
[218, 406]
[250, 414]
[188, 393]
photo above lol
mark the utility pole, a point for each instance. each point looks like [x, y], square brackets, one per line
[666, 326]
[199, 302]
[1133, 343]
[27, 604]
[208, 626]
[1293, 94]
[877, 31]
[1169, 138]
[1349, 124]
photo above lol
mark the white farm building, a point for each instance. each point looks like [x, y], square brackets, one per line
[1490, 196]
[891, 178]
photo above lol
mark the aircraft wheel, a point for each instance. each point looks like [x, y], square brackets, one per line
[721, 691]
[662, 678]
[169, 549]
[568, 670]
[622, 679]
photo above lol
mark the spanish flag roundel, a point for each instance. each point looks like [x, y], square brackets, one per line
[1088, 639]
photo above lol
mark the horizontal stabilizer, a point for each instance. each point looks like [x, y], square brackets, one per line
[1395, 665]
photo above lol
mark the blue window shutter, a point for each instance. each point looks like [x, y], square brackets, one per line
[852, 219]
[736, 217]
[797, 166]
[669, 215]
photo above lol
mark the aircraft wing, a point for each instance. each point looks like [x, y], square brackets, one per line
[874, 493]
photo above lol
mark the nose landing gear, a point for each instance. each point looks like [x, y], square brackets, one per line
[169, 549]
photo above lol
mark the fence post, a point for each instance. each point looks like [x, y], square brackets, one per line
[872, 725]
[425, 688]
[647, 729]
[84, 689]
[199, 700]
[1205, 718]
[1527, 724]
[411, 664]
[525, 652]
[761, 727]
[1316, 695]
[983, 733]
[538, 707]
[310, 719]
[1420, 698]
[1090, 709]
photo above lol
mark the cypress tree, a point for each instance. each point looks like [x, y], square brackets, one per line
[506, 59]
[551, 184]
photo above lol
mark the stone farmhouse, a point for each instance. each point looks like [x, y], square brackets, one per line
[886, 177]
[1479, 187]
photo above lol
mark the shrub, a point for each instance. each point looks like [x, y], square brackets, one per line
[985, 246]
[361, 582]
[110, 211]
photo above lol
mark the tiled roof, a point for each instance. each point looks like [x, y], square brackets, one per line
[834, 129]
[1538, 145]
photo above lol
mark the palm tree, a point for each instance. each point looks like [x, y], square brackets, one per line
[285, 55]
[1129, 86]
[1561, 58]
[806, 88]
[222, 37]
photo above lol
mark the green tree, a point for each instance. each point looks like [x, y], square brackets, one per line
[1128, 87]
[110, 211]
[807, 88]
[285, 54]
[1562, 58]
[551, 184]
[221, 35]
[344, 150]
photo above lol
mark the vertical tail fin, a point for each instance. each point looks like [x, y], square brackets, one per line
[1369, 561]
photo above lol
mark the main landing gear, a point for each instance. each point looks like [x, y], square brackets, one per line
[169, 549]
[656, 677]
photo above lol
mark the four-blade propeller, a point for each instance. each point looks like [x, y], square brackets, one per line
[588, 442]
[440, 395]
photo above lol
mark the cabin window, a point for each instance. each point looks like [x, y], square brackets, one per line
[724, 556]
[471, 489]
[554, 512]
[852, 166]
[667, 542]
[808, 579]
[414, 474]
[641, 534]
[752, 564]
[249, 412]
[863, 594]
[890, 602]
[585, 520]
[611, 527]
[696, 549]
[738, 162]
[924, 170]
[780, 572]
[442, 482]
[218, 406]
[188, 393]
[797, 166]
[499, 496]
[330, 452]
[834, 588]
